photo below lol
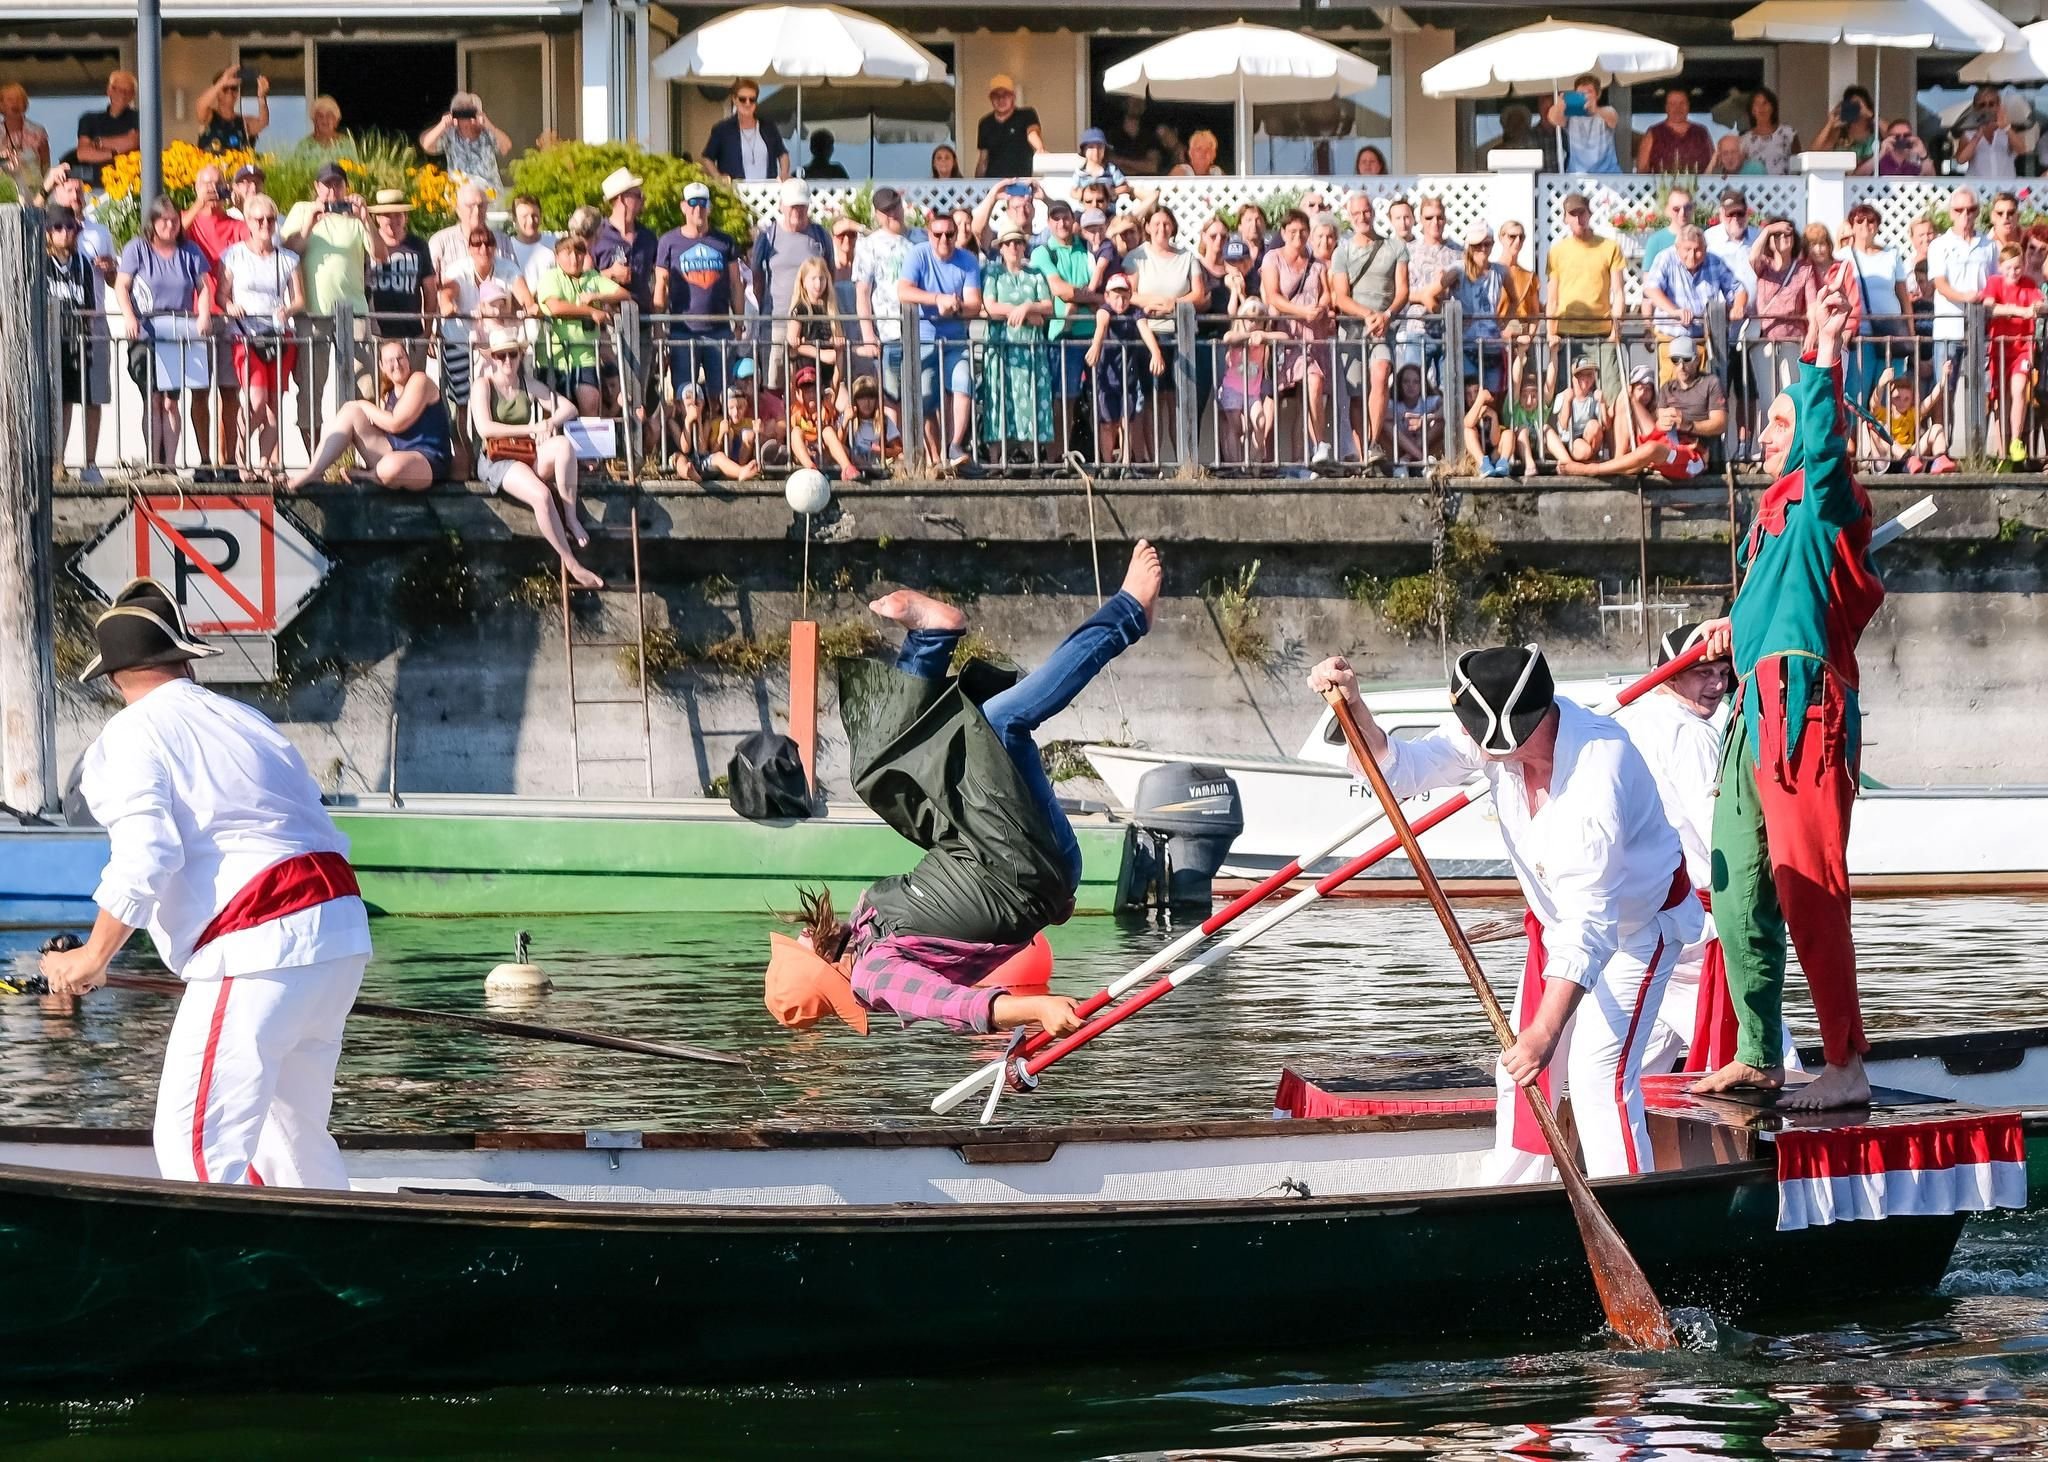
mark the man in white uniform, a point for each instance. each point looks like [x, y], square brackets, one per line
[1678, 728]
[1610, 904]
[218, 845]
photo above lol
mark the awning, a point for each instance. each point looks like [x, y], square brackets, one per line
[333, 12]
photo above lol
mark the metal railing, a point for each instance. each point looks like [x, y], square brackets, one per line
[1180, 394]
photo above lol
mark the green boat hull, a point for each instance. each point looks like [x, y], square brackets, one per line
[114, 1282]
[514, 859]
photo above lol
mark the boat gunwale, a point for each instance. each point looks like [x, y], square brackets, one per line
[492, 1210]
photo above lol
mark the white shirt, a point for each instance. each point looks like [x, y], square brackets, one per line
[1595, 864]
[534, 259]
[1683, 751]
[261, 283]
[1735, 254]
[1967, 265]
[1993, 157]
[199, 794]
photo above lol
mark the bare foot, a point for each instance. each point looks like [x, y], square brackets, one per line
[584, 578]
[1838, 1086]
[577, 531]
[913, 610]
[1143, 578]
[1740, 1076]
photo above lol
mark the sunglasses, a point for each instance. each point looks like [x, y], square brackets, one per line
[62, 228]
[746, 101]
[941, 234]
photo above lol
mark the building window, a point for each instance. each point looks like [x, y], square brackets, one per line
[63, 85]
[285, 68]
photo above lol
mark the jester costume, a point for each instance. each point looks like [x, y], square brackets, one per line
[1789, 764]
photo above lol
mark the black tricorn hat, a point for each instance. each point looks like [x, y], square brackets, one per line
[144, 627]
[1501, 696]
[1676, 642]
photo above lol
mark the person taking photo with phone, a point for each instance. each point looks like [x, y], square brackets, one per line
[223, 126]
[468, 142]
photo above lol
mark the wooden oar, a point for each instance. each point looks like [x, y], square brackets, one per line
[1632, 1306]
[482, 1025]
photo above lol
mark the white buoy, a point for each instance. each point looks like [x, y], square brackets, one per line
[520, 977]
[807, 491]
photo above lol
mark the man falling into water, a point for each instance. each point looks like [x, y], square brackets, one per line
[1789, 764]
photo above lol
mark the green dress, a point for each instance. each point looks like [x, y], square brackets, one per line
[1016, 384]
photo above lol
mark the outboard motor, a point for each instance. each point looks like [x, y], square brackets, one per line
[1187, 817]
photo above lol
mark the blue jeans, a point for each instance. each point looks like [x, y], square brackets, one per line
[1016, 713]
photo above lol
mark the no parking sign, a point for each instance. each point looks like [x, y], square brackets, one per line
[236, 563]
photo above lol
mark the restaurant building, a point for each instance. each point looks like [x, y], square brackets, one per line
[582, 69]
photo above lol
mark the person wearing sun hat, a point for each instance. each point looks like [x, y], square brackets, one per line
[218, 844]
[1610, 901]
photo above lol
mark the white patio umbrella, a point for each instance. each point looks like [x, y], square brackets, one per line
[1551, 54]
[1245, 65]
[2003, 68]
[794, 44]
[1917, 25]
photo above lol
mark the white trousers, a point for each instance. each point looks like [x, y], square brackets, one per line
[248, 1077]
[1678, 1013]
[1599, 1065]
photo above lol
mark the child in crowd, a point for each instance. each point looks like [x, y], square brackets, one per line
[575, 301]
[1525, 423]
[1123, 395]
[2014, 303]
[814, 425]
[872, 437]
[1418, 422]
[1244, 390]
[1913, 438]
[815, 335]
[1578, 429]
[686, 416]
[1488, 443]
[70, 277]
[1096, 166]
[734, 442]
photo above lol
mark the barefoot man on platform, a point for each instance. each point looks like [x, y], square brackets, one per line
[218, 845]
[1610, 904]
[1789, 764]
[950, 763]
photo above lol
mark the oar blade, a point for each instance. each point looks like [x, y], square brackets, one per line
[1634, 1312]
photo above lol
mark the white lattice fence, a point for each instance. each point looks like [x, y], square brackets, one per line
[1621, 201]
[1899, 201]
[1467, 197]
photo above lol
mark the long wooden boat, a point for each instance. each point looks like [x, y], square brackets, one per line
[525, 856]
[1904, 840]
[504, 1257]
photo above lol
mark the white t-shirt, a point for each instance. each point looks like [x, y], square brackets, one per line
[753, 154]
[1880, 273]
[1993, 157]
[1169, 272]
[1967, 265]
[261, 283]
[467, 286]
[524, 255]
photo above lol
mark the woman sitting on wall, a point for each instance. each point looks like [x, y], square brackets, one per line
[518, 420]
[402, 438]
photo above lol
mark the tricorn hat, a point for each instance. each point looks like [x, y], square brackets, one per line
[1501, 696]
[1676, 642]
[144, 627]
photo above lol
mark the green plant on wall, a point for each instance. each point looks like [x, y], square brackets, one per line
[436, 588]
[1514, 603]
[1235, 604]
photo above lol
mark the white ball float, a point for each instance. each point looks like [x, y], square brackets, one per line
[519, 977]
[807, 491]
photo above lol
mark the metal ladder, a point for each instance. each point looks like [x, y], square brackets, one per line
[638, 645]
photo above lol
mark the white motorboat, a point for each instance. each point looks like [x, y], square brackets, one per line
[1903, 840]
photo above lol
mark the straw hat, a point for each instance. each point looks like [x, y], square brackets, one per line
[391, 200]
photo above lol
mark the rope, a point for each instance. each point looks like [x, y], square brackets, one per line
[1080, 466]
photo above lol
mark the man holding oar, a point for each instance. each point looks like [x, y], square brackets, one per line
[218, 845]
[1610, 903]
[1788, 769]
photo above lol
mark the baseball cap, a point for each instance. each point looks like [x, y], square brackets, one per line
[1001, 81]
[887, 200]
[1094, 218]
[1642, 376]
[1586, 366]
[805, 375]
[1683, 348]
[795, 191]
[1094, 137]
[248, 172]
[743, 368]
[1116, 281]
[1734, 197]
[331, 173]
[1059, 208]
[696, 193]
[1480, 233]
[492, 291]
[1235, 249]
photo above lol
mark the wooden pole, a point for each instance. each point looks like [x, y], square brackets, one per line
[803, 696]
[28, 675]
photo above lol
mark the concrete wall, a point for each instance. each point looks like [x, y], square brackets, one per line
[1951, 667]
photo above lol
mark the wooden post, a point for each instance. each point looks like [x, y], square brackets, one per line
[803, 695]
[28, 675]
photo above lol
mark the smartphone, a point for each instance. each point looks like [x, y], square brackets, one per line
[247, 76]
[1575, 103]
[1017, 190]
[463, 114]
[338, 206]
[1852, 111]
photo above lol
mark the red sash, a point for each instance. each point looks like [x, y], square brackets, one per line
[302, 881]
[1528, 1137]
[1713, 1017]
